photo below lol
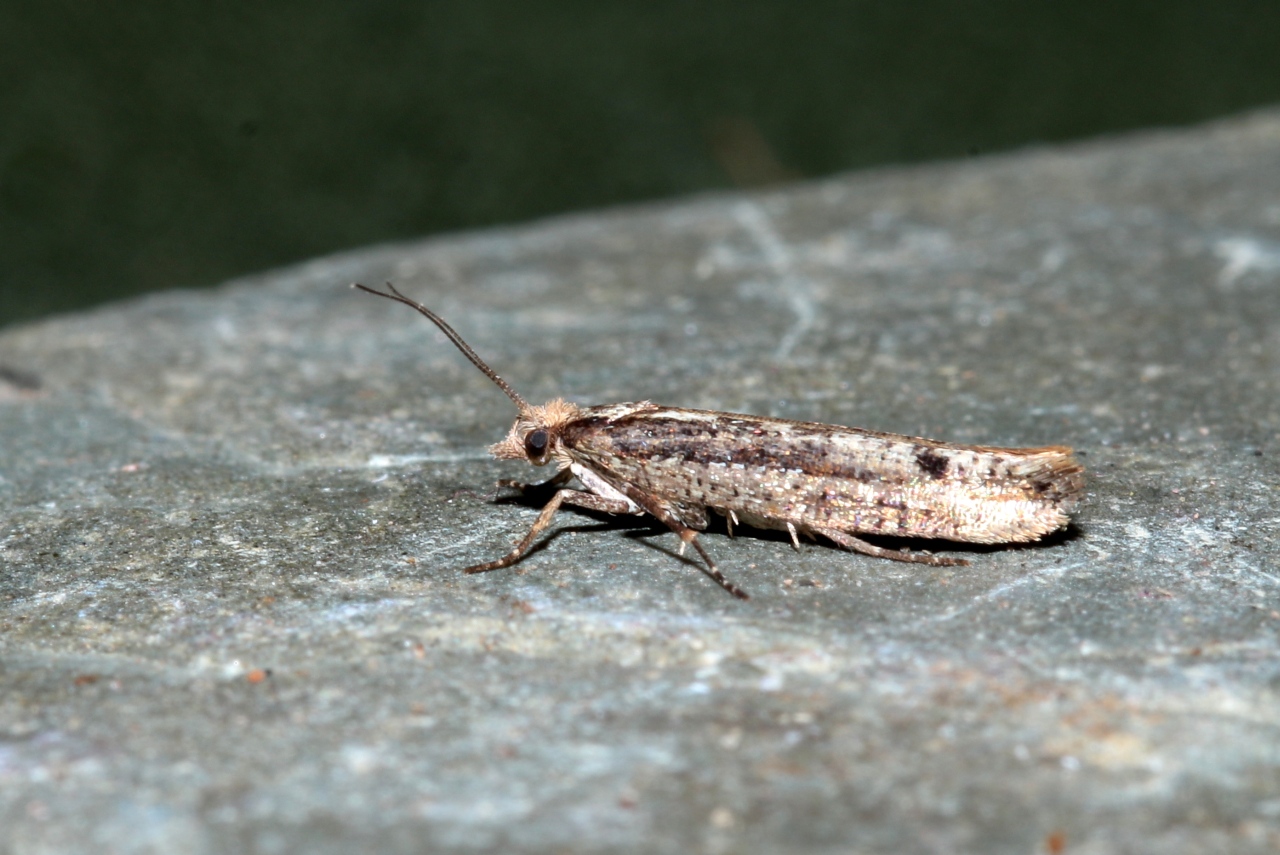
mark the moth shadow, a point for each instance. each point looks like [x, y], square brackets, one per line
[910, 544]
[921, 544]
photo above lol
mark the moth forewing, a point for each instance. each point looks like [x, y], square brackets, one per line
[819, 478]
[804, 477]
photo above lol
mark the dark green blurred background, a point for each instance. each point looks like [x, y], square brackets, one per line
[149, 145]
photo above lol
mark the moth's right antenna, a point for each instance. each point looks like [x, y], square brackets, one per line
[521, 403]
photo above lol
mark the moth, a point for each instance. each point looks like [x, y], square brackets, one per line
[806, 478]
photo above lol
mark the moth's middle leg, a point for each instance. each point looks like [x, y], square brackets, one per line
[581, 499]
[688, 536]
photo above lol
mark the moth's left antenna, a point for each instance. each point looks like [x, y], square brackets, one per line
[521, 403]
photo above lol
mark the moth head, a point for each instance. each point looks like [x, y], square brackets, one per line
[535, 436]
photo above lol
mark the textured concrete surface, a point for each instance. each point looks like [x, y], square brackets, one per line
[231, 521]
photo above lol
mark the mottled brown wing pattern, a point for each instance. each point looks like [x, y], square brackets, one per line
[772, 472]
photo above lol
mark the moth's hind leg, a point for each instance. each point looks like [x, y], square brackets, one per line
[857, 544]
[589, 501]
[689, 536]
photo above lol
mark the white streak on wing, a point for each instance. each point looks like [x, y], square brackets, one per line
[689, 415]
[595, 484]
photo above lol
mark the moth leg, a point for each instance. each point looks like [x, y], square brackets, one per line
[857, 544]
[795, 538]
[691, 515]
[730, 520]
[555, 480]
[564, 497]
[688, 536]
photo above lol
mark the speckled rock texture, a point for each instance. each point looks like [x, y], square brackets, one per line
[231, 524]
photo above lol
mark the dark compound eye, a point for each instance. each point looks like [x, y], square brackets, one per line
[535, 443]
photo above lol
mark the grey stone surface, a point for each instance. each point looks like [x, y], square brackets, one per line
[231, 521]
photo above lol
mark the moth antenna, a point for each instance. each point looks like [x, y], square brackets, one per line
[520, 402]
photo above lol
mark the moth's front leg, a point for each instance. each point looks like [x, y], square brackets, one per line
[563, 497]
[559, 479]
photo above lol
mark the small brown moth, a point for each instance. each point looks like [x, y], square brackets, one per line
[803, 477]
